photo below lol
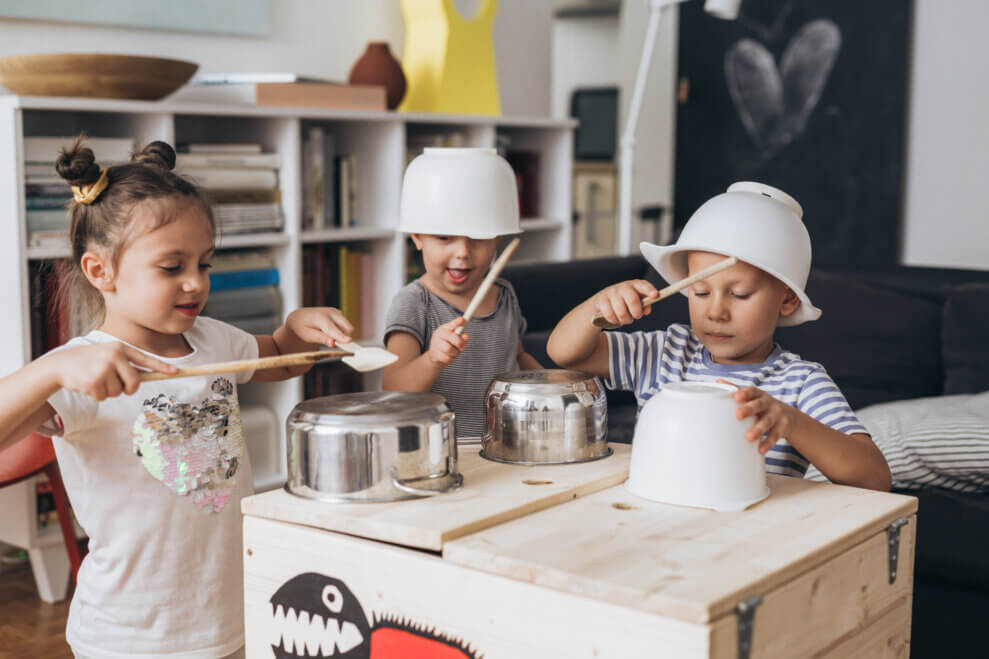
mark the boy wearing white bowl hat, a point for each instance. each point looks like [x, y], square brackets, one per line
[801, 416]
[456, 203]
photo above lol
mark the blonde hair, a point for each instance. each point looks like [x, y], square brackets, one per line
[104, 222]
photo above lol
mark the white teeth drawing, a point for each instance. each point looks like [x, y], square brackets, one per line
[306, 635]
[313, 615]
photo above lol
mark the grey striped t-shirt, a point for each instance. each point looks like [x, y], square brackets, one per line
[492, 349]
[641, 362]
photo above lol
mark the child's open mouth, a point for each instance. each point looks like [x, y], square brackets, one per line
[457, 275]
[188, 309]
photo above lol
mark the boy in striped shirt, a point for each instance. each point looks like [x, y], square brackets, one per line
[801, 416]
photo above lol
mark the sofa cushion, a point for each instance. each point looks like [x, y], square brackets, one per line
[932, 442]
[966, 358]
[878, 345]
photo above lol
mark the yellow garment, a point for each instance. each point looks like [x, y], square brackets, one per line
[448, 60]
[87, 194]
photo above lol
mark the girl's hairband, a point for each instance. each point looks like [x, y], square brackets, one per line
[87, 194]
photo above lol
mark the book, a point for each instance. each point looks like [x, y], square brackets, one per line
[242, 259]
[47, 202]
[55, 219]
[219, 281]
[106, 149]
[223, 160]
[231, 303]
[264, 325]
[232, 179]
[241, 148]
[288, 94]
[245, 196]
[240, 78]
[345, 187]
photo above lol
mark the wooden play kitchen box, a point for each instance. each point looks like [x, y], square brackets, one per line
[563, 561]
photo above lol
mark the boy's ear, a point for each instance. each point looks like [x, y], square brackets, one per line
[417, 239]
[97, 271]
[790, 302]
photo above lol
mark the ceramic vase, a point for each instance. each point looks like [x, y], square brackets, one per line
[377, 66]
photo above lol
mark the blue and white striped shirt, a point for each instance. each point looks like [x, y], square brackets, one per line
[641, 362]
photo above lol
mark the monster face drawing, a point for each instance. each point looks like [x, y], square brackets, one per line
[193, 449]
[317, 616]
[314, 615]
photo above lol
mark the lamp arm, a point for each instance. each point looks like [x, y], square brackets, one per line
[626, 160]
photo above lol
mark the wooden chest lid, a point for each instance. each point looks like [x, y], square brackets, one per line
[687, 563]
[492, 493]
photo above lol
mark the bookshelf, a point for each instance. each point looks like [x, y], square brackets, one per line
[380, 143]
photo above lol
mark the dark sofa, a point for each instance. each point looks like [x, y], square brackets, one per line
[885, 335]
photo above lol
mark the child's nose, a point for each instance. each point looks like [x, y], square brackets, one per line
[196, 282]
[718, 309]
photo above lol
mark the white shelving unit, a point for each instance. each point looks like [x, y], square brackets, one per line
[379, 143]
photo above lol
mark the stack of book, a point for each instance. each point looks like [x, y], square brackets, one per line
[244, 291]
[47, 195]
[281, 90]
[339, 276]
[240, 181]
[329, 187]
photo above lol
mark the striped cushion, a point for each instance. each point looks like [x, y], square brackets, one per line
[932, 442]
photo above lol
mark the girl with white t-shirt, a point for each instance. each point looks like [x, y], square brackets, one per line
[155, 471]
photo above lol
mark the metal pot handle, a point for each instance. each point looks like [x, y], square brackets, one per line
[458, 480]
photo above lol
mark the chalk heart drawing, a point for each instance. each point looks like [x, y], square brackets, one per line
[774, 103]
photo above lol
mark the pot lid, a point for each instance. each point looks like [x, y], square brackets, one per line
[369, 406]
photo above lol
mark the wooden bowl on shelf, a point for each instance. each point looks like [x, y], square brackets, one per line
[94, 75]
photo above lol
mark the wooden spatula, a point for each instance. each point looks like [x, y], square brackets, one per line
[599, 320]
[366, 362]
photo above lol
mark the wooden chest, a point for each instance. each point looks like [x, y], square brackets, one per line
[565, 562]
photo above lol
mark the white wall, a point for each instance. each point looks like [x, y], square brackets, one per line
[946, 206]
[314, 37]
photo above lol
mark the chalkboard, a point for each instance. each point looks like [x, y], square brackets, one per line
[809, 96]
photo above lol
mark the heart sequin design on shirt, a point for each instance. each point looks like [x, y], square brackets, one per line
[193, 449]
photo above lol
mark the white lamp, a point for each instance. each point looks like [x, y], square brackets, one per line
[726, 9]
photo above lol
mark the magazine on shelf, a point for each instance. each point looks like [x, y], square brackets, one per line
[106, 149]
[241, 78]
[232, 179]
[220, 148]
[288, 94]
[222, 160]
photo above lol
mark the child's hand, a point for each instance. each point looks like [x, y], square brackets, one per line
[320, 325]
[622, 303]
[446, 344]
[773, 419]
[104, 370]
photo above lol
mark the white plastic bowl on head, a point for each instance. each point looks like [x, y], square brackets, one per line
[460, 192]
[759, 224]
[690, 450]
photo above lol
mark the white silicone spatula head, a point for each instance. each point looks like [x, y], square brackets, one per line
[366, 358]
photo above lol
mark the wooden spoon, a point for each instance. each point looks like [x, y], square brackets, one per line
[482, 290]
[370, 359]
[600, 321]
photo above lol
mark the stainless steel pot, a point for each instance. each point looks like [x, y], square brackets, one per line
[372, 446]
[545, 417]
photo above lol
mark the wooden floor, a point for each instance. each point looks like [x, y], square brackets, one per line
[28, 626]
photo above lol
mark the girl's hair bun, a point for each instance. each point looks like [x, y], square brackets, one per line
[156, 154]
[77, 164]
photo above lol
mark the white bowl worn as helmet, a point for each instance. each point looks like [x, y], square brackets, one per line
[459, 192]
[754, 222]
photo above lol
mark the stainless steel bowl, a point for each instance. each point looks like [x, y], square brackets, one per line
[372, 446]
[546, 417]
